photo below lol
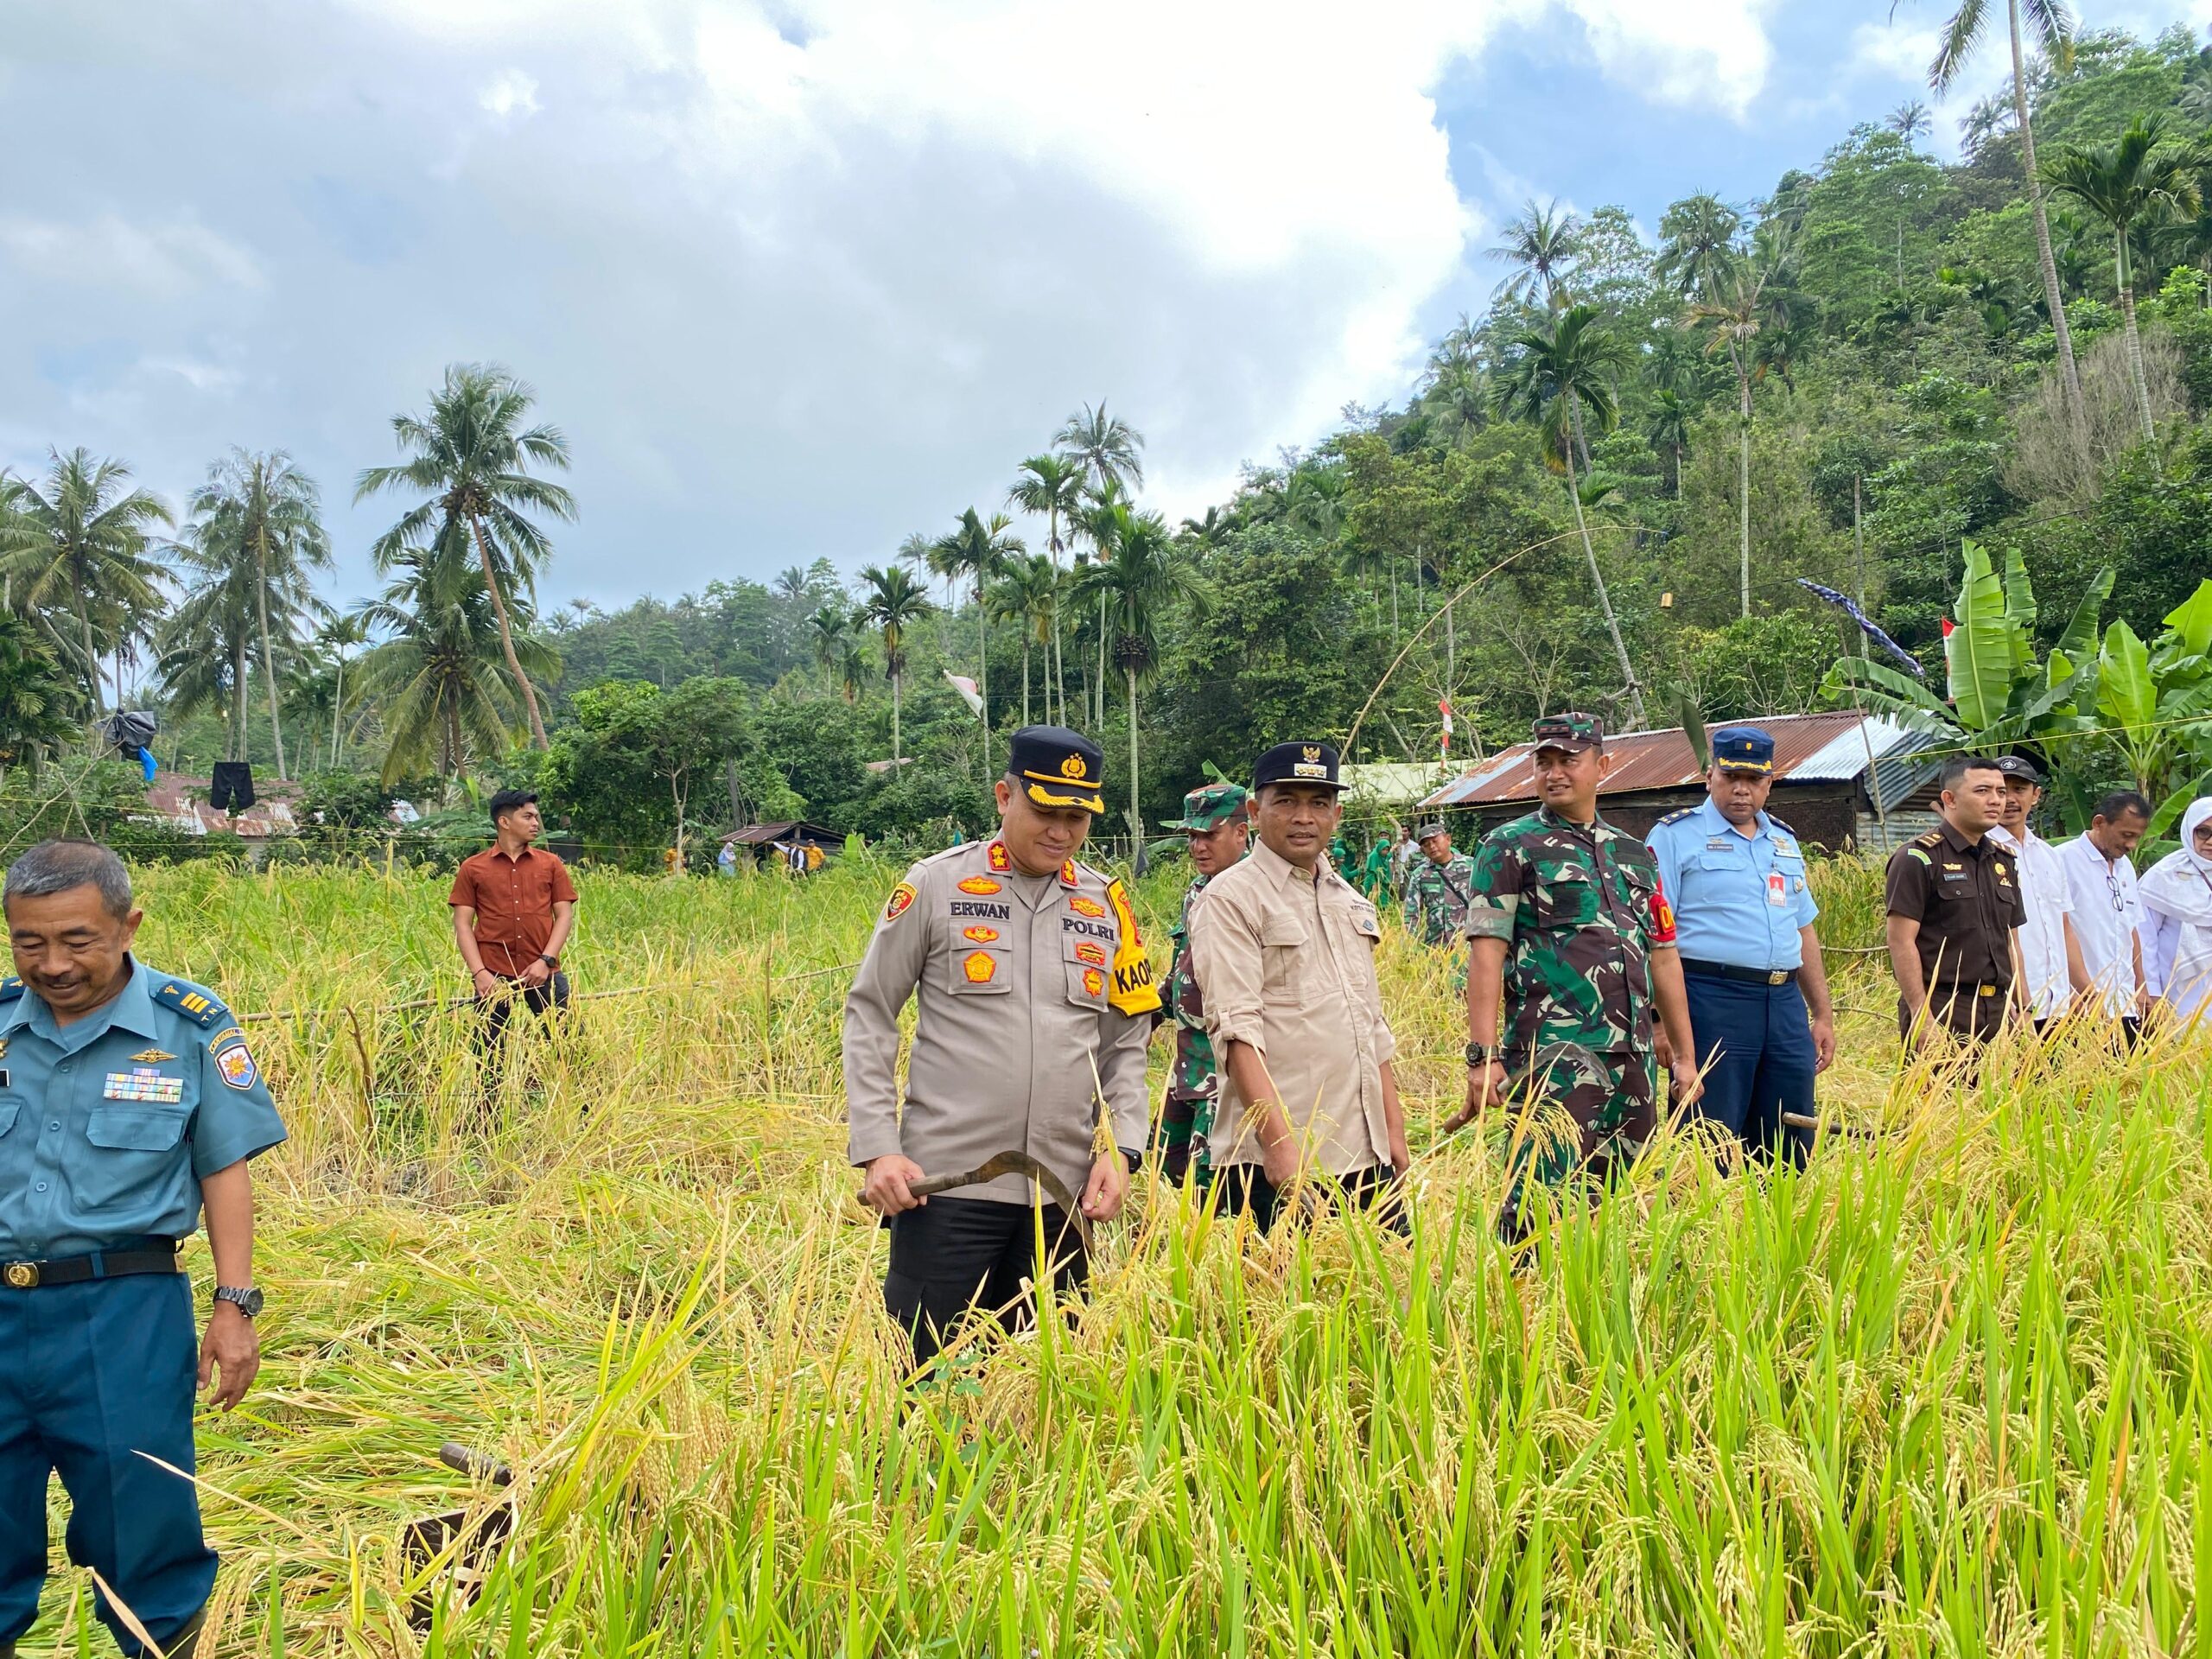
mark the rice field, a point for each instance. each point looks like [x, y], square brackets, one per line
[1947, 1392]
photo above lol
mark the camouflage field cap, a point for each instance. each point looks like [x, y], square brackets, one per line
[1428, 827]
[1209, 808]
[1570, 731]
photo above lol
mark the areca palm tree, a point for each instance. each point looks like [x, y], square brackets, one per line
[437, 675]
[891, 602]
[2052, 31]
[829, 634]
[1666, 430]
[1140, 572]
[2137, 177]
[1756, 297]
[1029, 593]
[1540, 245]
[269, 512]
[471, 454]
[1558, 372]
[1052, 485]
[77, 545]
[1318, 501]
[978, 549]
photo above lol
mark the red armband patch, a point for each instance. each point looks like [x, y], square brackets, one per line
[1662, 918]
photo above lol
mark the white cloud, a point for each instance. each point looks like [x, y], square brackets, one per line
[739, 243]
[1899, 54]
[113, 251]
[507, 95]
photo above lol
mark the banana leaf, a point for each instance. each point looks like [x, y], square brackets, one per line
[2126, 696]
[2080, 639]
[2020, 613]
[2174, 805]
[1899, 695]
[2191, 619]
[1979, 649]
[1692, 719]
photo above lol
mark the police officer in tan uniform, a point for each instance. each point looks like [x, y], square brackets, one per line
[1034, 993]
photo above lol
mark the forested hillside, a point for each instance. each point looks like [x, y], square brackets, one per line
[1618, 466]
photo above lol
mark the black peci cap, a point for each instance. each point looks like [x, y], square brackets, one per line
[1058, 767]
[1297, 763]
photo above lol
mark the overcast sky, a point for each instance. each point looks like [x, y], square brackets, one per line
[799, 276]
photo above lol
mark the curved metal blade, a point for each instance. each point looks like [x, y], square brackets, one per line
[1012, 1163]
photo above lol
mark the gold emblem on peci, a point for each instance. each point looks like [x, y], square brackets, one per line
[1072, 767]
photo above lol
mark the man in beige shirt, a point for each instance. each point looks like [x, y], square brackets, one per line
[1032, 993]
[1284, 951]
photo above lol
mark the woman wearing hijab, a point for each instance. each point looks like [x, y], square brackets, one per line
[2176, 894]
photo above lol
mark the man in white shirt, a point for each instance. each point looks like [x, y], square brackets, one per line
[2107, 913]
[2050, 952]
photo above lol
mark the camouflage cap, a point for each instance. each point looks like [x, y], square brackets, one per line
[1428, 827]
[1209, 808]
[1570, 731]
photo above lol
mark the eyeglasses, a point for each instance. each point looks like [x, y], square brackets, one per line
[2112, 887]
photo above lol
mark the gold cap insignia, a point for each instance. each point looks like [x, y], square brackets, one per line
[1072, 767]
[1313, 751]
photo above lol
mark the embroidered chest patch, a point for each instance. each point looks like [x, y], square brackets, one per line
[144, 1083]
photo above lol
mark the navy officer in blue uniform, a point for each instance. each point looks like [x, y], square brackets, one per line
[1759, 992]
[128, 1100]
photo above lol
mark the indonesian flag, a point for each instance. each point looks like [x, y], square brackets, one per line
[1443, 708]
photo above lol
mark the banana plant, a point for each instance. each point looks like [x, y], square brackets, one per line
[2152, 705]
[2000, 697]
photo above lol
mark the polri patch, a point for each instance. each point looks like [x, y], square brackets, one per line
[236, 1067]
[1083, 906]
[1094, 982]
[143, 1083]
[979, 935]
[901, 896]
[1093, 954]
[978, 884]
[980, 967]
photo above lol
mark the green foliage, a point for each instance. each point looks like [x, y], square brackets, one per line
[638, 761]
[38, 704]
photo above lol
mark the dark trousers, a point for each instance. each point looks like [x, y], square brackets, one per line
[1755, 1045]
[952, 1255]
[493, 1012]
[90, 1376]
[1245, 1188]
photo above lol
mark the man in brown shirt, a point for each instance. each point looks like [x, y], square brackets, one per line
[1284, 951]
[513, 909]
[1954, 908]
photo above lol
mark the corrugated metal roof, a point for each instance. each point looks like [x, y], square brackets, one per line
[1830, 748]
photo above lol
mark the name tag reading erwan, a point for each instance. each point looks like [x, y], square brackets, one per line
[144, 1083]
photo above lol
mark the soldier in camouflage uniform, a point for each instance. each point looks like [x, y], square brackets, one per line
[1217, 820]
[1574, 944]
[1438, 887]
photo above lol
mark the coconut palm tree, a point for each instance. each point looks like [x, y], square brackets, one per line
[891, 602]
[202, 648]
[38, 705]
[340, 636]
[1567, 368]
[1319, 498]
[1756, 296]
[437, 674]
[2052, 30]
[978, 549]
[1140, 572]
[2141, 175]
[1911, 121]
[1697, 245]
[1105, 448]
[1540, 246]
[1666, 430]
[270, 512]
[78, 547]
[1028, 593]
[472, 455]
[1052, 485]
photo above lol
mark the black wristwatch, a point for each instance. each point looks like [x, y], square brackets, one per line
[1135, 1160]
[247, 1302]
[1480, 1054]
[551, 962]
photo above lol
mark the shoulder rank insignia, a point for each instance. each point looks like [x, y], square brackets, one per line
[901, 897]
[195, 1005]
[10, 988]
[998, 859]
[1676, 817]
[1067, 873]
[151, 1057]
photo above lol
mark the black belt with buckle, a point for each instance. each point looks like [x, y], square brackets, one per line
[1743, 976]
[151, 1255]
